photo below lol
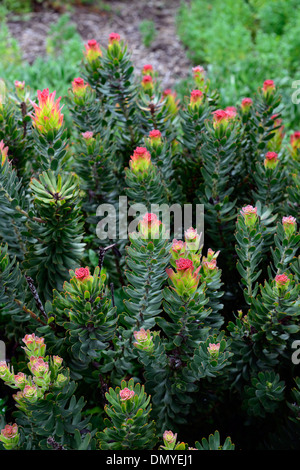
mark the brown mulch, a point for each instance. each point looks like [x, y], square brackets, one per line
[166, 53]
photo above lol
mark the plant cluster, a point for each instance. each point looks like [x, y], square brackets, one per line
[159, 332]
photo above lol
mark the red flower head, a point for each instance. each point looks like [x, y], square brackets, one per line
[220, 118]
[114, 38]
[271, 160]
[196, 98]
[184, 263]
[92, 51]
[268, 87]
[147, 83]
[147, 70]
[82, 274]
[246, 104]
[47, 114]
[79, 87]
[155, 138]
[19, 85]
[231, 112]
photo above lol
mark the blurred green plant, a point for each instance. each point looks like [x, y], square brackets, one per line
[148, 32]
[242, 43]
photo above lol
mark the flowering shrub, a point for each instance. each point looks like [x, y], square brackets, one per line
[164, 335]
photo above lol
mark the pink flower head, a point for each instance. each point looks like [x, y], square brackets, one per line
[3, 152]
[289, 225]
[199, 75]
[82, 274]
[88, 135]
[38, 366]
[268, 87]
[47, 114]
[231, 112]
[155, 134]
[9, 432]
[271, 160]
[30, 393]
[144, 340]
[169, 96]
[150, 218]
[20, 379]
[114, 38]
[192, 239]
[57, 361]
[169, 437]
[282, 281]
[126, 394]
[92, 51]
[19, 85]
[34, 346]
[221, 118]
[196, 98]
[79, 87]
[9, 436]
[250, 215]
[246, 104]
[213, 349]
[147, 70]
[3, 367]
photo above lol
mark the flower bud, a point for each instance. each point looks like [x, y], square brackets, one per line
[140, 161]
[144, 340]
[282, 282]
[30, 393]
[9, 436]
[178, 248]
[61, 381]
[250, 215]
[20, 380]
[289, 225]
[246, 105]
[196, 99]
[93, 53]
[147, 84]
[186, 279]
[268, 88]
[192, 239]
[199, 76]
[155, 138]
[20, 87]
[169, 97]
[213, 350]
[79, 89]
[34, 346]
[150, 226]
[148, 70]
[169, 439]
[47, 114]
[3, 152]
[271, 160]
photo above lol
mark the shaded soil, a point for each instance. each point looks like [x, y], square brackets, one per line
[166, 53]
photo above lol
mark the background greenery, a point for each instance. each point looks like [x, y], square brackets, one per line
[241, 43]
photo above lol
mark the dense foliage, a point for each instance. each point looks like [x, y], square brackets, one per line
[127, 341]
